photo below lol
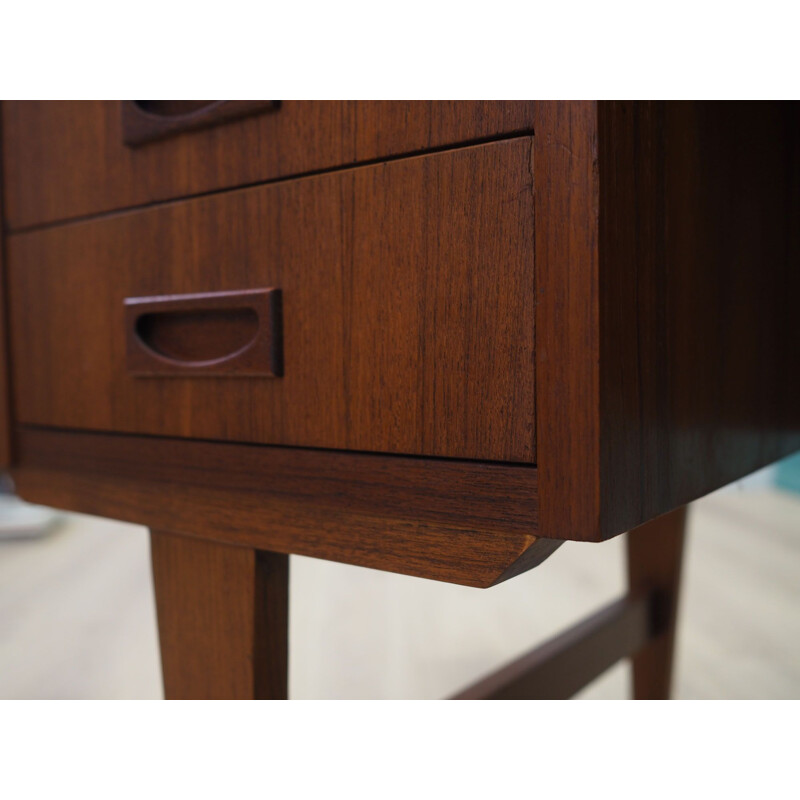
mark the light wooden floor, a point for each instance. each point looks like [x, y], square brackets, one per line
[77, 618]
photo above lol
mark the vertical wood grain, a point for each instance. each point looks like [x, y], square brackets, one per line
[222, 619]
[67, 159]
[699, 280]
[567, 312]
[655, 557]
[667, 264]
[408, 310]
[667, 272]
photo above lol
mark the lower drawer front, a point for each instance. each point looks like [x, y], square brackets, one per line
[407, 310]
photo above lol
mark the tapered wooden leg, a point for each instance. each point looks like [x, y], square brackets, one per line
[655, 553]
[222, 619]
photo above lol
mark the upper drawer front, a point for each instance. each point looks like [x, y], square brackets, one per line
[64, 160]
[408, 310]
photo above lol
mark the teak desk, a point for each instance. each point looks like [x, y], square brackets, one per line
[433, 338]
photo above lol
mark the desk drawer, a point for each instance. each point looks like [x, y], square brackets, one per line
[63, 160]
[407, 310]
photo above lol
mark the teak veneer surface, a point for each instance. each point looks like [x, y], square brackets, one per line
[699, 285]
[67, 159]
[667, 278]
[663, 288]
[464, 522]
[408, 310]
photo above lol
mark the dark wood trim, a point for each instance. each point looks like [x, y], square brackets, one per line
[699, 272]
[466, 522]
[562, 666]
[567, 320]
[223, 619]
[667, 263]
[655, 558]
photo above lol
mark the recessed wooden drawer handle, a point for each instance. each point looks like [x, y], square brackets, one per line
[147, 120]
[220, 334]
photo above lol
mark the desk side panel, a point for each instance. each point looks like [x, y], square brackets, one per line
[699, 291]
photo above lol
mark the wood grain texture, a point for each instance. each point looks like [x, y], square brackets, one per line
[223, 619]
[667, 268]
[655, 558]
[699, 280]
[464, 522]
[667, 255]
[67, 159]
[567, 312]
[559, 668]
[408, 310]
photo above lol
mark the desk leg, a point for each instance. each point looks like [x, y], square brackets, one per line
[222, 619]
[655, 554]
